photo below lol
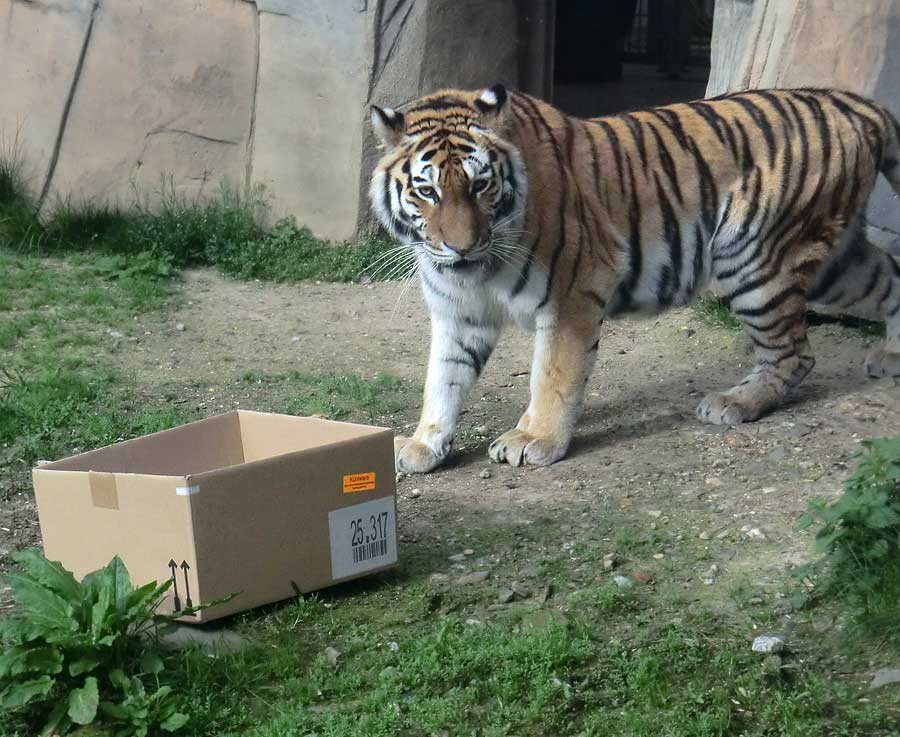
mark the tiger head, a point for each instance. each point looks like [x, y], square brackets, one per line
[450, 182]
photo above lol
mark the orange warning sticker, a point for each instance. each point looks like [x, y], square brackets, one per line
[359, 482]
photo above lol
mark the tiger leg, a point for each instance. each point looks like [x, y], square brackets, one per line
[459, 350]
[774, 317]
[863, 281]
[564, 355]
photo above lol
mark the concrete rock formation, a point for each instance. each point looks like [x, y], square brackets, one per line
[105, 98]
[827, 43]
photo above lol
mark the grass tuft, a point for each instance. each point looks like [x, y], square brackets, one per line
[715, 312]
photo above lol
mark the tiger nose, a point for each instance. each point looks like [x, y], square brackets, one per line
[460, 249]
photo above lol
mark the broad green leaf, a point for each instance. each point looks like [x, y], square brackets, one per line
[49, 573]
[99, 612]
[30, 659]
[19, 694]
[83, 702]
[161, 693]
[57, 722]
[151, 663]
[121, 581]
[45, 612]
[118, 679]
[143, 601]
[175, 722]
[84, 664]
[115, 711]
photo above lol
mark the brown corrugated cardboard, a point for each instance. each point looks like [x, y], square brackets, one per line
[259, 505]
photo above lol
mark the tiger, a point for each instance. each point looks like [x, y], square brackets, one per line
[514, 212]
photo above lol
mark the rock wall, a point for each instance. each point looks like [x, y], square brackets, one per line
[105, 98]
[826, 43]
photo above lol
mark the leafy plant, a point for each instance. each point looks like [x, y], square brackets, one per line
[67, 651]
[860, 534]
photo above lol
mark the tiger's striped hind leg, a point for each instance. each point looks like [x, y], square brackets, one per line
[863, 280]
[773, 314]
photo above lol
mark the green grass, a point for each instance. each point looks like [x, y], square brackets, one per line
[170, 231]
[716, 313]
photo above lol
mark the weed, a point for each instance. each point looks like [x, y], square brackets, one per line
[76, 650]
[859, 540]
[715, 312]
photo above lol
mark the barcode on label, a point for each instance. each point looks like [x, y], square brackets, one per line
[369, 550]
[363, 537]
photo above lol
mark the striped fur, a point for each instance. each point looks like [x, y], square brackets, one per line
[518, 213]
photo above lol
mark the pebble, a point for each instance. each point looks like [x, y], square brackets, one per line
[655, 513]
[439, 578]
[481, 429]
[473, 622]
[505, 596]
[703, 536]
[521, 590]
[768, 644]
[713, 481]
[114, 334]
[642, 577]
[332, 655]
[658, 556]
[754, 533]
[295, 339]
[623, 582]
[415, 493]
[485, 474]
[885, 677]
[179, 326]
[468, 551]
[709, 578]
[472, 578]
[457, 558]
[610, 561]
[393, 647]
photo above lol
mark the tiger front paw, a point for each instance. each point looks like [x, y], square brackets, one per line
[411, 456]
[517, 447]
[881, 362]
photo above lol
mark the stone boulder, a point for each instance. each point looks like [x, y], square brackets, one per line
[830, 43]
[166, 89]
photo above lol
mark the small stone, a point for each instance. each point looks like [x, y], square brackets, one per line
[457, 557]
[415, 493]
[642, 577]
[754, 533]
[723, 534]
[689, 332]
[623, 582]
[473, 622]
[439, 578]
[332, 655]
[295, 339]
[481, 429]
[468, 551]
[658, 556]
[713, 481]
[769, 490]
[393, 647]
[885, 677]
[768, 644]
[703, 536]
[473, 578]
[485, 474]
[179, 326]
[544, 593]
[496, 607]
[400, 477]
[114, 334]
[505, 596]
[610, 561]
[520, 590]
[656, 513]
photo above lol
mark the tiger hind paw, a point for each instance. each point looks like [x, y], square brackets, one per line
[518, 447]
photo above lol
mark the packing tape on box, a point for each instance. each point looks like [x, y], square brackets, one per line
[187, 490]
[103, 490]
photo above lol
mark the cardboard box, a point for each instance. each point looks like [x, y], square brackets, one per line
[260, 505]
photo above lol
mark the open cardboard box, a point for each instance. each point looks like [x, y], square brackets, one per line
[259, 505]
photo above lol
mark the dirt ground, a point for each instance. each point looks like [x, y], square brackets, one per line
[640, 460]
[638, 451]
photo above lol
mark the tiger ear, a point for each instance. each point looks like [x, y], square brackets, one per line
[388, 125]
[493, 104]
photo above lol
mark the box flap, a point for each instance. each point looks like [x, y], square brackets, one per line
[267, 435]
[193, 448]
